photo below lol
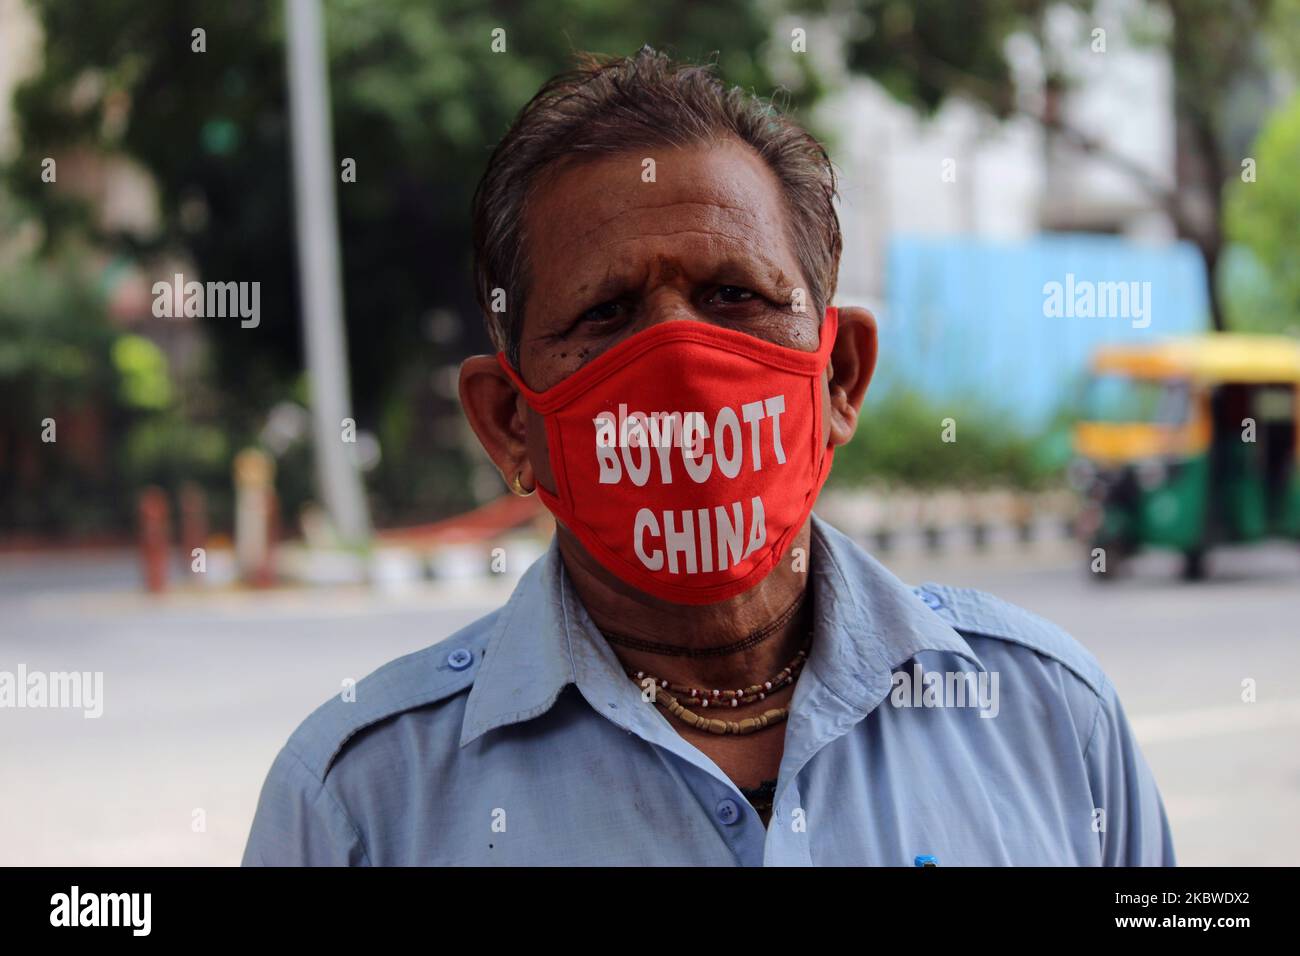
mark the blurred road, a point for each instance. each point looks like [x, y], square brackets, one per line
[202, 689]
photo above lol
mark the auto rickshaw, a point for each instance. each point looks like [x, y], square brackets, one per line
[1189, 443]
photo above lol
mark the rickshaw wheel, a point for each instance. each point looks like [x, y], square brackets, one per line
[1193, 565]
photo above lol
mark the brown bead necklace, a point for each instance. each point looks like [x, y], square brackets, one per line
[703, 699]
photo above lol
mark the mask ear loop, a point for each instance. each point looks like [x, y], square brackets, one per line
[828, 452]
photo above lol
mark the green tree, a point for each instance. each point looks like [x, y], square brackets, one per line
[419, 97]
[58, 390]
[1263, 215]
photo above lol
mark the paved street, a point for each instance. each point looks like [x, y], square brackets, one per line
[201, 690]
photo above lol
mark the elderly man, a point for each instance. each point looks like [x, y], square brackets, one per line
[699, 671]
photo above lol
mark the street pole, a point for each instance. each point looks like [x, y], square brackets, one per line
[320, 283]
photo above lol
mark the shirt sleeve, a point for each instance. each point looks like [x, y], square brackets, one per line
[1134, 830]
[299, 822]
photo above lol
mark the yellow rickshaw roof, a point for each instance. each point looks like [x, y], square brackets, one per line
[1216, 357]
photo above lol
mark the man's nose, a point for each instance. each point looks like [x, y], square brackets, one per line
[669, 305]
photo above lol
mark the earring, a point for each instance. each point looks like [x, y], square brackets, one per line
[517, 487]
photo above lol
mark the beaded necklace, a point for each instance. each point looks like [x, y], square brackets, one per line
[703, 699]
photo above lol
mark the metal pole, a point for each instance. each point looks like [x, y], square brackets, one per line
[318, 267]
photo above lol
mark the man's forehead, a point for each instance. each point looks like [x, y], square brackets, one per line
[607, 223]
[719, 192]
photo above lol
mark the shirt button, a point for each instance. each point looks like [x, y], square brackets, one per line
[931, 599]
[459, 659]
[728, 812]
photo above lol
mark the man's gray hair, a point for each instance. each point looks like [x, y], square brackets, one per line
[611, 105]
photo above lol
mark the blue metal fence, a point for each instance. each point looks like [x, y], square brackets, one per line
[972, 319]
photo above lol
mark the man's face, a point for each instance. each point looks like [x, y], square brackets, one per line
[611, 255]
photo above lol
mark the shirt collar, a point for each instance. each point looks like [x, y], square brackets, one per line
[867, 624]
[526, 663]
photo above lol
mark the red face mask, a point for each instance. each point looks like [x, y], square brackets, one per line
[687, 457]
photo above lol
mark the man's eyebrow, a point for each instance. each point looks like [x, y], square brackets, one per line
[611, 286]
[618, 278]
[753, 269]
[758, 268]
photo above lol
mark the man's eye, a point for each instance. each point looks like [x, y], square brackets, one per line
[734, 294]
[603, 313]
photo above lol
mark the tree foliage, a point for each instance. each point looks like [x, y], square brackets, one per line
[418, 100]
[1263, 215]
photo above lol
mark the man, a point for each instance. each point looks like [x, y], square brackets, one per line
[699, 672]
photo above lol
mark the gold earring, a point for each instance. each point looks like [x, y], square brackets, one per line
[518, 487]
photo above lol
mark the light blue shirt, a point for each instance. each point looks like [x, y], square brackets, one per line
[520, 740]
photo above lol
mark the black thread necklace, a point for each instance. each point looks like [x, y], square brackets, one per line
[680, 650]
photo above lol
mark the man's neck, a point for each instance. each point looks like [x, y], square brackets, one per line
[620, 610]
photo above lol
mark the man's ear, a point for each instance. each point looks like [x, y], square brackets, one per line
[495, 410]
[853, 360]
